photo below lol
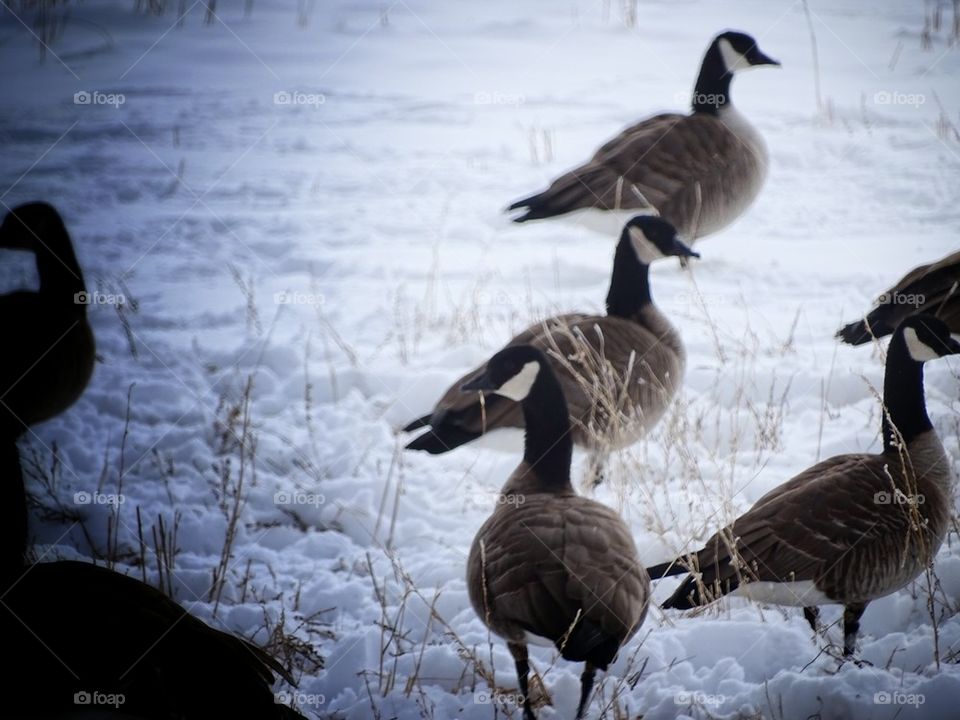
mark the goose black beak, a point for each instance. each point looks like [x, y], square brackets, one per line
[681, 249]
[480, 382]
[953, 345]
[762, 59]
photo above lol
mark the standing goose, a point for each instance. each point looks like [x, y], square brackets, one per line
[698, 171]
[49, 349]
[933, 289]
[548, 566]
[620, 370]
[850, 529]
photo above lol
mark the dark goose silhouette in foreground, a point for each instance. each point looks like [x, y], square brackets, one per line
[48, 353]
[48, 348]
[88, 638]
[85, 641]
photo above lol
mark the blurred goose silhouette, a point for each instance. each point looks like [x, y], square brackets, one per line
[49, 354]
[87, 641]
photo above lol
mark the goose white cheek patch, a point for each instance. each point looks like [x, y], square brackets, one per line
[646, 251]
[518, 387]
[919, 350]
[733, 60]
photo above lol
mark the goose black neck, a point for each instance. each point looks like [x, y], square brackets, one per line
[903, 397]
[630, 282]
[712, 91]
[60, 276]
[548, 446]
[13, 513]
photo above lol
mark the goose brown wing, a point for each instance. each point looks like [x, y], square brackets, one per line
[801, 530]
[933, 288]
[612, 366]
[659, 162]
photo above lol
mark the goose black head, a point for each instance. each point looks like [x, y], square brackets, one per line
[653, 238]
[26, 223]
[739, 52]
[927, 338]
[512, 372]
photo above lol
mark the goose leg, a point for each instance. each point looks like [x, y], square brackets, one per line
[851, 626]
[812, 614]
[586, 685]
[519, 653]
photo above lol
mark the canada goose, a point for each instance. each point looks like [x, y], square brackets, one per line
[698, 171]
[932, 289]
[850, 529]
[85, 635]
[548, 566]
[49, 349]
[634, 338]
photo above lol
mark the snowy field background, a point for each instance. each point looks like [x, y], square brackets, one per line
[302, 278]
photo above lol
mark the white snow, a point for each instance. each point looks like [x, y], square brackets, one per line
[345, 252]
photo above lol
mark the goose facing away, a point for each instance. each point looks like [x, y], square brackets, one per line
[78, 629]
[850, 529]
[933, 289]
[698, 171]
[49, 349]
[549, 566]
[620, 370]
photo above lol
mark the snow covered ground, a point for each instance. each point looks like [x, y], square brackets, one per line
[301, 206]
